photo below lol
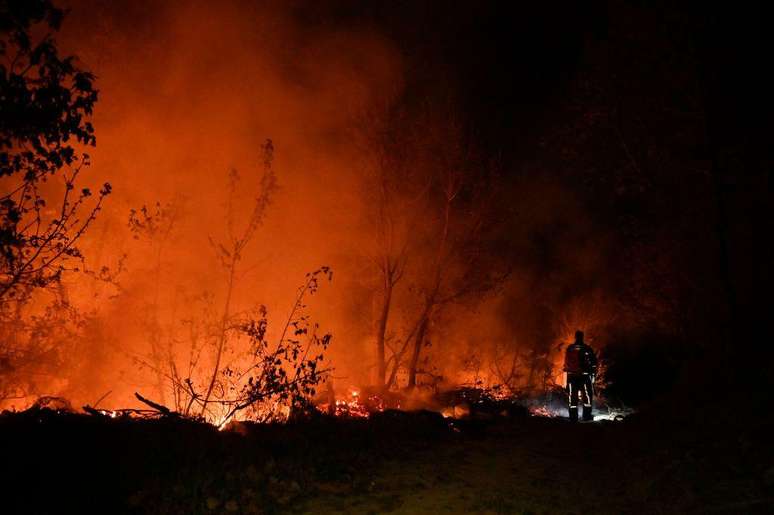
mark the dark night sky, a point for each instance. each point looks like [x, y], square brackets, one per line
[509, 62]
[505, 63]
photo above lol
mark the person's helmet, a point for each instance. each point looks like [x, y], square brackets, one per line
[579, 336]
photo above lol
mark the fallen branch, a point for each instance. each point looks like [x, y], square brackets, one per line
[124, 413]
[158, 407]
[93, 411]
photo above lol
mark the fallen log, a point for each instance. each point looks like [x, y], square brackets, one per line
[158, 407]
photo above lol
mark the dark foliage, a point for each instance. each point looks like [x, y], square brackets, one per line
[46, 98]
[642, 368]
[46, 101]
[194, 465]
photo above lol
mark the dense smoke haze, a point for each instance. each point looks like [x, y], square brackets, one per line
[474, 216]
[189, 94]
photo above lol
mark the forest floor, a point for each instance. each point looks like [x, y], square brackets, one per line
[395, 462]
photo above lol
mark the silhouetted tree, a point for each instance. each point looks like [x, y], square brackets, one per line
[156, 226]
[392, 195]
[45, 103]
[453, 260]
[230, 252]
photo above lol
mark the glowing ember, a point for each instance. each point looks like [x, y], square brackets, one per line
[354, 406]
[542, 411]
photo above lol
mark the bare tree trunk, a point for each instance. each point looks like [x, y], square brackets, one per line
[419, 340]
[156, 351]
[395, 366]
[381, 329]
[222, 333]
[451, 190]
[331, 396]
[531, 378]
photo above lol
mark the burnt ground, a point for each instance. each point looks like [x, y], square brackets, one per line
[653, 462]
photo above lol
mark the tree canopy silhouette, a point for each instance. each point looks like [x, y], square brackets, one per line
[46, 101]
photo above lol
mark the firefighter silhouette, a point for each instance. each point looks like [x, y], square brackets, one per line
[580, 363]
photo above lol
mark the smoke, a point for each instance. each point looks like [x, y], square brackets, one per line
[189, 92]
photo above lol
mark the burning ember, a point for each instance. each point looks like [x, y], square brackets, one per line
[542, 411]
[604, 413]
[353, 405]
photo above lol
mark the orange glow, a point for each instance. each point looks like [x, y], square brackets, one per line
[188, 94]
[353, 405]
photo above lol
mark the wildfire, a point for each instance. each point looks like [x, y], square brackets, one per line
[542, 411]
[456, 411]
[353, 405]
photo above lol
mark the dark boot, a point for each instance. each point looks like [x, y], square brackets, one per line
[586, 413]
[573, 414]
